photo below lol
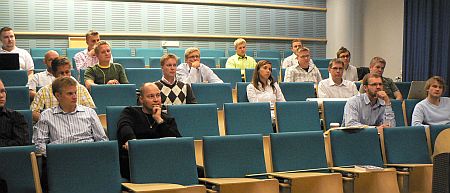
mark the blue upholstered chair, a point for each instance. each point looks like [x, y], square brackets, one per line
[223, 61]
[249, 74]
[15, 168]
[434, 132]
[121, 52]
[71, 52]
[321, 62]
[29, 119]
[187, 119]
[179, 52]
[218, 93]
[247, 118]
[241, 89]
[138, 76]
[83, 167]
[295, 116]
[39, 63]
[324, 73]
[397, 107]
[209, 61]
[40, 52]
[228, 75]
[149, 52]
[276, 62]
[406, 145]
[113, 95]
[404, 88]
[14, 77]
[112, 118]
[333, 112]
[18, 97]
[212, 53]
[409, 105]
[130, 62]
[298, 91]
[155, 62]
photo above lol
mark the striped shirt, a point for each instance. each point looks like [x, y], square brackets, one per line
[45, 99]
[57, 127]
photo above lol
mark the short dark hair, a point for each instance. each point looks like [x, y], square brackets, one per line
[91, 33]
[98, 44]
[437, 79]
[61, 82]
[365, 80]
[5, 29]
[60, 61]
[377, 59]
[342, 50]
[335, 60]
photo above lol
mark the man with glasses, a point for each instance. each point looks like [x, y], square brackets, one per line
[304, 71]
[350, 72]
[193, 71]
[377, 65]
[336, 86]
[43, 78]
[372, 108]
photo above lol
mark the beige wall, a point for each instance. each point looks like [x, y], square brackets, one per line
[375, 28]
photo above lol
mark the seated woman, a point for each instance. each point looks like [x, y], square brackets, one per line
[435, 109]
[263, 88]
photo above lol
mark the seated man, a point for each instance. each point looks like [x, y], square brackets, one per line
[13, 127]
[350, 72]
[304, 71]
[193, 71]
[9, 46]
[240, 59]
[336, 86]
[372, 108]
[173, 92]
[104, 72]
[377, 66]
[435, 109]
[43, 78]
[87, 57]
[44, 97]
[146, 122]
[67, 122]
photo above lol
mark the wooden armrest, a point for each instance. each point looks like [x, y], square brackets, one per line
[348, 179]
[356, 171]
[402, 173]
[409, 165]
[35, 170]
[298, 175]
[152, 187]
[220, 181]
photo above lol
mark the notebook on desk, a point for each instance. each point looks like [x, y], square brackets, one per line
[9, 61]
[417, 90]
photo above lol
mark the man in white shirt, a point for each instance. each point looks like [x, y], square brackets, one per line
[9, 46]
[43, 78]
[292, 59]
[336, 86]
[193, 71]
[350, 72]
[87, 57]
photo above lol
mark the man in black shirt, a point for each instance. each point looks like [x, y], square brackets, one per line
[13, 127]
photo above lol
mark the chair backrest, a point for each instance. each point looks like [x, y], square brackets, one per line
[298, 151]
[409, 108]
[356, 147]
[249, 52]
[248, 118]
[188, 123]
[268, 54]
[218, 93]
[39, 63]
[233, 156]
[404, 88]
[293, 116]
[228, 75]
[149, 52]
[179, 52]
[212, 53]
[241, 89]
[321, 62]
[209, 61]
[130, 62]
[139, 76]
[434, 132]
[333, 112]
[72, 167]
[276, 63]
[223, 61]
[287, 53]
[358, 84]
[112, 117]
[14, 77]
[406, 145]
[121, 52]
[71, 52]
[29, 119]
[283, 72]
[18, 97]
[165, 160]
[15, 168]
[249, 74]
[397, 107]
[324, 72]
[113, 95]
[298, 91]
[40, 52]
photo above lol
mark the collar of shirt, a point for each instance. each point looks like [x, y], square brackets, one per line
[242, 57]
[167, 82]
[12, 51]
[367, 101]
[332, 83]
[58, 110]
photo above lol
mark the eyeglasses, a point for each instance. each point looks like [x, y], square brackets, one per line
[375, 84]
[2, 91]
[344, 56]
[337, 69]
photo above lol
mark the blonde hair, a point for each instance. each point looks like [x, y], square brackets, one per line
[238, 42]
[190, 50]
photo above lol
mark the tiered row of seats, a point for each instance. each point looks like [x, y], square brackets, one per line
[328, 162]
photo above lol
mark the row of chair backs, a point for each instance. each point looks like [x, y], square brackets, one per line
[292, 91]
[18, 97]
[70, 52]
[113, 95]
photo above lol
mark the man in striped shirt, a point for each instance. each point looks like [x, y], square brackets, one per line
[68, 122]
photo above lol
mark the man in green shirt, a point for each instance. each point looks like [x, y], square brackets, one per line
[240, 60]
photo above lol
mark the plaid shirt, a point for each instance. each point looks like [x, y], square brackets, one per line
[297, 74]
